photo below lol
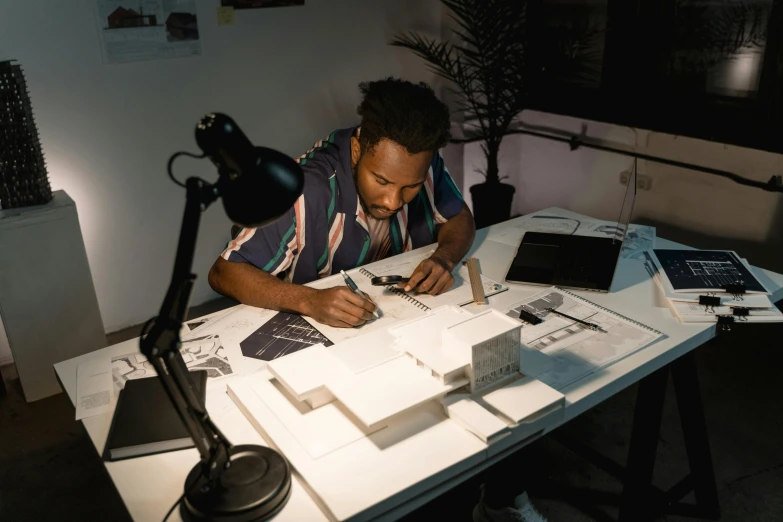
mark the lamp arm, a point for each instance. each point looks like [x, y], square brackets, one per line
[161, 344]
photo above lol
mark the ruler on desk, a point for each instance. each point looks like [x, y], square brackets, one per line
[476, 284]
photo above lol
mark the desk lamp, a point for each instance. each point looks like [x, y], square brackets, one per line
[258, 185]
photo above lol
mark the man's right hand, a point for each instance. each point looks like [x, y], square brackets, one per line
[340, 307]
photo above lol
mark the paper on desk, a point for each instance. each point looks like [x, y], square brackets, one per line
[460, 292]
[199, 353]
[194, 325]
[639, 239]
[219, 404]
[392, 309]
[236, 323]
[93, 388]
[577, 351]
[398, 265]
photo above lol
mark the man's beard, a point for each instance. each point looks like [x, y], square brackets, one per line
[365, 207]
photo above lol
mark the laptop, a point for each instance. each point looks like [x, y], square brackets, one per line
[573, 261]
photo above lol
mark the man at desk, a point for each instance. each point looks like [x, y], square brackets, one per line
[370, 192]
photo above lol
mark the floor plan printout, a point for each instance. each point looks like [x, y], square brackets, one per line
[704, 270]
[200, 353]
[578, 351]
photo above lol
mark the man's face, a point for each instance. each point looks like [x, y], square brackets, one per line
[387, 178]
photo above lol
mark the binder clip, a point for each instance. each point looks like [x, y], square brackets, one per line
[725, 322]
[709, 302]
[736, 290]
[741, 313]
[529, 317]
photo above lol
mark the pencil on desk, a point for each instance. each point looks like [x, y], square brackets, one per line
[584, 323]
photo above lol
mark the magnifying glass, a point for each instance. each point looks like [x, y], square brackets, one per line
[388, 280]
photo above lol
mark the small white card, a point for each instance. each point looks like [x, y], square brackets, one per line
[93, 388]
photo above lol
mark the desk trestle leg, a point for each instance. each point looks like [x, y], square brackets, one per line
[641, 501]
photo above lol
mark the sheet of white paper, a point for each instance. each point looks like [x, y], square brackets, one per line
[399, 265]
[194, 325]
[577, 351]
[639, 239]
[93, 388]
[393, 304]
[512, 234]
[460, 292]
[236, 324]
[392, 308]
[219, 404]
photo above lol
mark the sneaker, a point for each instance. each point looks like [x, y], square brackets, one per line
[523, 511]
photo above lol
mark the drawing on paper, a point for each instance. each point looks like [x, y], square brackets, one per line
[577, 351]
[206, 354]
[202, 353]
[283, 334]
[639, 238]
[697, 269]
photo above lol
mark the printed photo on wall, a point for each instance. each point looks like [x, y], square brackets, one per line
[257, 4]
[139, 30]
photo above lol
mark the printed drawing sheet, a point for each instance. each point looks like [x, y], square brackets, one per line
[639, 239]
[283, 334]
[578, 351]
[201, 353]
[140, 30]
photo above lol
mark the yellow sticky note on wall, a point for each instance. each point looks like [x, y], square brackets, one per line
[225, 15]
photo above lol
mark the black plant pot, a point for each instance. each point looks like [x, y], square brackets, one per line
[491, 203]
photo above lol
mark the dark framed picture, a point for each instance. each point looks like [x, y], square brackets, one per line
[258, 4]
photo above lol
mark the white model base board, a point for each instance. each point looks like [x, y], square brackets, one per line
[347, 483]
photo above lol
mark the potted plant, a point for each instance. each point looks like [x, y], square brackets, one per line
[486, 67]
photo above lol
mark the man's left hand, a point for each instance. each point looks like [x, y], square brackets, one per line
[432, 276]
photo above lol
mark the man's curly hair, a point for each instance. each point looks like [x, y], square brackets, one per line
[406, 113]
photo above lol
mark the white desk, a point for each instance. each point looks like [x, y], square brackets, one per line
[149, 485]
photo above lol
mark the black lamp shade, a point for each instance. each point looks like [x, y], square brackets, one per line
[257, 184]
[260, 195]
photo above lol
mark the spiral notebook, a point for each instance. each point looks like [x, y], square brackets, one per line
[394, 303]
[578, 351]
[459, 294]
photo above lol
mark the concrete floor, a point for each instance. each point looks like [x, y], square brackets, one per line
[50, 471]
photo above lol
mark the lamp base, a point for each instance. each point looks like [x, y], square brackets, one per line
[254, 488]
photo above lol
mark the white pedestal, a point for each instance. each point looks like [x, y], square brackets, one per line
[48, 304]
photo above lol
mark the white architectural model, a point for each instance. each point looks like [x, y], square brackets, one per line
[481, 348]
[449, 351]
[452, 386]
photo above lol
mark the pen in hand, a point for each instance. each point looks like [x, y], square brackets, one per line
[355, 289]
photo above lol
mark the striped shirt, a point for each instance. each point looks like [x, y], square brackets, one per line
[326, 230]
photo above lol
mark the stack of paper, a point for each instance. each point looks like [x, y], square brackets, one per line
[703, 285]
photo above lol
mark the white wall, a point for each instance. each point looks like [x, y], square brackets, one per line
[5, 349]
[545, 173]
[288, 76]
